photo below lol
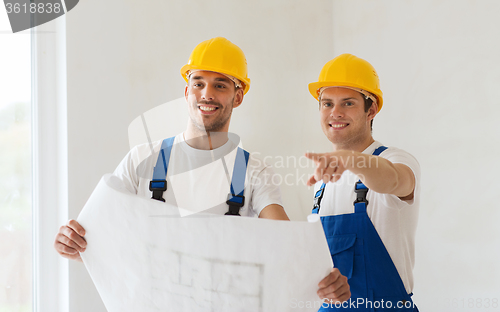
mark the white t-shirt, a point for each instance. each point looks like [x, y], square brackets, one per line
[197, 180]
[394, 219]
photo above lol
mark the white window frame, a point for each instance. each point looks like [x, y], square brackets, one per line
[50, 164]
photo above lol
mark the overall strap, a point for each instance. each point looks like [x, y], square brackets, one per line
[361, 190]
[235, 198]
[158, 184]
[317, 198]
[379, 150]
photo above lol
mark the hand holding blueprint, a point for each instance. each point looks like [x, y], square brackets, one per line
[142, 256]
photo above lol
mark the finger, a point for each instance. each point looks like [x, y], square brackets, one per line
[76, 256]
[338, 174]
[63, 239]
[340, 295]
[321, 163]
[72, 235]
[345, 296]
[330, 278]
[64, 249]
[339, 299]
[311, 181]
[314, 156]
[321, 166]
[330, 170]
[335, 176]
[335, 290]
[76, 227]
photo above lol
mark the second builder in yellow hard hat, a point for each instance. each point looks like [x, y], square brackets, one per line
[367, 194]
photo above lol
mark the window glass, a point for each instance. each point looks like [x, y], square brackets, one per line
[15, 169]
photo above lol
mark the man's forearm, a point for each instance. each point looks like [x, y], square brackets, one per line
[381, 175]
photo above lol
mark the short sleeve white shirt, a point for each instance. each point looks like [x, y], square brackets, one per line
[199, 180]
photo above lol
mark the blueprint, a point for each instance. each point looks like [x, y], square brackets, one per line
[144, 255]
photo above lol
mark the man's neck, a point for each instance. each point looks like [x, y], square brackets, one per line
[205, 140]
[359, 146]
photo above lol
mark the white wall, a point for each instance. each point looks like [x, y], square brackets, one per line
[438, 62]
[438, 68]
[124, 59]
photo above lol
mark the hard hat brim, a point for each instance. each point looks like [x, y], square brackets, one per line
[186, 68]
[315, 86]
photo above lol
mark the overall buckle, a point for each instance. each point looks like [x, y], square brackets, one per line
[158, 187]
[361, 190]
[235, 202]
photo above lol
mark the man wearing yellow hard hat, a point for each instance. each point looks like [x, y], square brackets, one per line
[217, 80]
[216, 76]
[367, 194]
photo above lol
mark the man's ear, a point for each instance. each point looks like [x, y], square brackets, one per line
[238, 98]
[186, 93]
[372, 111]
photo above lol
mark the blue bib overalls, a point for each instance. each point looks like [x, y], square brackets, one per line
[360, 255]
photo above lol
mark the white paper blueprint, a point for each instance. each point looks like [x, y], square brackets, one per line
[142, 256]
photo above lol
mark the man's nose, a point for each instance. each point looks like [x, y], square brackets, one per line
[337, 111]
[208, 93]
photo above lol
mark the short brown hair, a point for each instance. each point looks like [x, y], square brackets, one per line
[368, 104]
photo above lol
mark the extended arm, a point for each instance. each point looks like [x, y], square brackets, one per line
[377, 173]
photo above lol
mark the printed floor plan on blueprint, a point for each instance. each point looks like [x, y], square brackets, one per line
[143, 256]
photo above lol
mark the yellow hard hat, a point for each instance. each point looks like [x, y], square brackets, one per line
[348, 71]
[221, 56]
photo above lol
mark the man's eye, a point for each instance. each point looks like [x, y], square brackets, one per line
[197, 85]
[220, 86]
[327, 104]
[348, 103]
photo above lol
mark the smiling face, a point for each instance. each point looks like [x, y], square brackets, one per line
[344, 120]
[211, 98]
